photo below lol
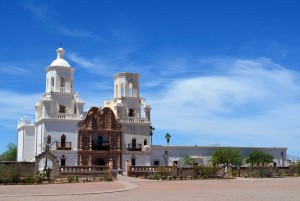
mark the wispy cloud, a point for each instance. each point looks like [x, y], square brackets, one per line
[16, 105]
[102, 66]
[13, 70]
[80, 60]
[45, 14]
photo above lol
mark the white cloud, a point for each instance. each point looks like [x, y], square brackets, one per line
[13, 105]
[80, 60]
[13, 70]
[248, 100]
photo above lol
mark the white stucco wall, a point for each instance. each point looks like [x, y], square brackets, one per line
[71, 157]
[174, 153]
[25, 143]
[55, 128]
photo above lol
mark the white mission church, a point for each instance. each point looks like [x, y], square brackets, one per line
[119, 131]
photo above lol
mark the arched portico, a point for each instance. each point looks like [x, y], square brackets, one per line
[55, 162]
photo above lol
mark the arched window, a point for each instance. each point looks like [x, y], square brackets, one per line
[130, 90]
[145, 141]
[62, 109]
[133, 142]
[63, 160]
[63, 141]
[52, 83]
[117, 94]
[131, 113]
[133, 161]
[122, 89]
[49, 139]
[62, 84]
[75, 109]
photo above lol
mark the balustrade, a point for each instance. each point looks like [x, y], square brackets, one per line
[134, 120]
[134, 147]
[64, 116]
[66, 146]
[83, 169]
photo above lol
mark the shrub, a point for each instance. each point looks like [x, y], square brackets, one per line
[204, 176]
[280, 174]
[40, 176]
[71, 178]
[157, 176]
[204, 172]
[163, 173]
[294, 168]
[10, 175]
[234, 173]
[28, 180]
[107, 176]
[197, 172]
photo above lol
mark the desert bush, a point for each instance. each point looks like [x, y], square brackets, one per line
[40, 176]
[204, 172]
[71, 178]
[28, 180]
[294, 168]
[107, 176]
[234, 173]
[10, 175]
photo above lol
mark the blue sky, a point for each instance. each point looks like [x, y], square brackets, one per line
[214, 72]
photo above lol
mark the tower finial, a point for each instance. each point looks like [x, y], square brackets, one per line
[60, 53]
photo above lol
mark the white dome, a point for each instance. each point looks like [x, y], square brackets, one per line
[60, 59]
[60, 62]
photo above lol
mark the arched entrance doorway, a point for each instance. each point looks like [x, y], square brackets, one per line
[100, 162]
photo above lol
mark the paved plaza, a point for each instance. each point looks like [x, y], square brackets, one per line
[132, 189]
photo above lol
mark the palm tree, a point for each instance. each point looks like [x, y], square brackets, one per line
[168, 137]
[151, 132]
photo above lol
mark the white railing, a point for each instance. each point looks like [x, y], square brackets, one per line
[58, 116]
[64, 116]
[134, 120]
[83, 169]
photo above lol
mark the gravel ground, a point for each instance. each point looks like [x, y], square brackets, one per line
[235, 189]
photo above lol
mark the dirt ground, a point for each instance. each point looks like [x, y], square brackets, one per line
[234, 189]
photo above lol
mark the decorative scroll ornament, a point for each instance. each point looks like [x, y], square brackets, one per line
[98, 119]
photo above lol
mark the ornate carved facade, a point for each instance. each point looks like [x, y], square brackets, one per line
[99, 138]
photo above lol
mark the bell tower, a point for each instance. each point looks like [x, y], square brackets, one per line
[134, 115]
[126, 85]
[59, 110]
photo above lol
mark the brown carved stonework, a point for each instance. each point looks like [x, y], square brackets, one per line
[100, 119]
[99, 136]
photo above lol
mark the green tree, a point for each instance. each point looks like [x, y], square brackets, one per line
[259, 158]
[227, 157]
[168, 137]
[10, 154]
[151, 132]
[187, 161]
